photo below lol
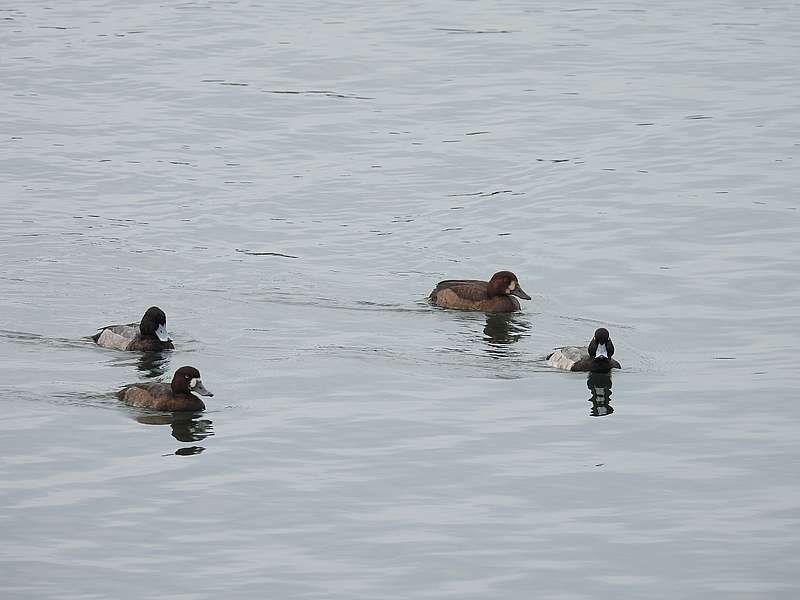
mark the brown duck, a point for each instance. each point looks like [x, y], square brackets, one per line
[495, 295]
[176, 397]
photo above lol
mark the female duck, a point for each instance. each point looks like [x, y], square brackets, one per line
[149, 334]
[175, 397]
[496, 295]
[596, 358]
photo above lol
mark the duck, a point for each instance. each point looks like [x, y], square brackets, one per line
[149, 334]
[178, 396]
[596, 358]
[495, 295]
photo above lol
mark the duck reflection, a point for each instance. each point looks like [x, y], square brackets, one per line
[186, 427]
[153, 364]
[503, 329]
[599, 385]
[189, 450]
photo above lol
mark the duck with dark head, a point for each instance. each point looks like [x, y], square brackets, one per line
[596, 358]
[149, 334]
[499, 294]
[178, 396]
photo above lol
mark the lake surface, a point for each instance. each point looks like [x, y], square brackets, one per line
[634, 164]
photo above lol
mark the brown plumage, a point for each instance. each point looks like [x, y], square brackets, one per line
[495, 295]
[175, 397]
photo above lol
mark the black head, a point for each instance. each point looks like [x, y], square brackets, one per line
[154, 324]
[601, 346]
[601, 335]
[505, 283]
[187, 381]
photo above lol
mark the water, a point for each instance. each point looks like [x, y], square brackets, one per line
[633, 164]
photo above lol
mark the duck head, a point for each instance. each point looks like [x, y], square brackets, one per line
[505, 283]
[154, 324]
[601, 345]
[187, 381]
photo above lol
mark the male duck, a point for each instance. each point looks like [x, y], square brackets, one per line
[496, 295]
[178, 396]
[149, 334]
[595, 358]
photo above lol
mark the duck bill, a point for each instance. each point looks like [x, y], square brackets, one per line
[602, 352]
[520, 293]
[198, 387]
[161, 333]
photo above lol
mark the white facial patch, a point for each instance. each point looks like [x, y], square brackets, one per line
[601, 351]
[193, 383]
[512, 286]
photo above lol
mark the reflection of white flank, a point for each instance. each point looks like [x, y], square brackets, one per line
[601, 351]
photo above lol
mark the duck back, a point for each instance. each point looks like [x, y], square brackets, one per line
[574, 358]
[470, 294]
[118, 337]
[128, 337]
[159, 396]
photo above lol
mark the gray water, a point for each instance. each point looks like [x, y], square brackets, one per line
[633, 163]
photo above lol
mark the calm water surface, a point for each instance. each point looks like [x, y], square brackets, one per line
[635, 166]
